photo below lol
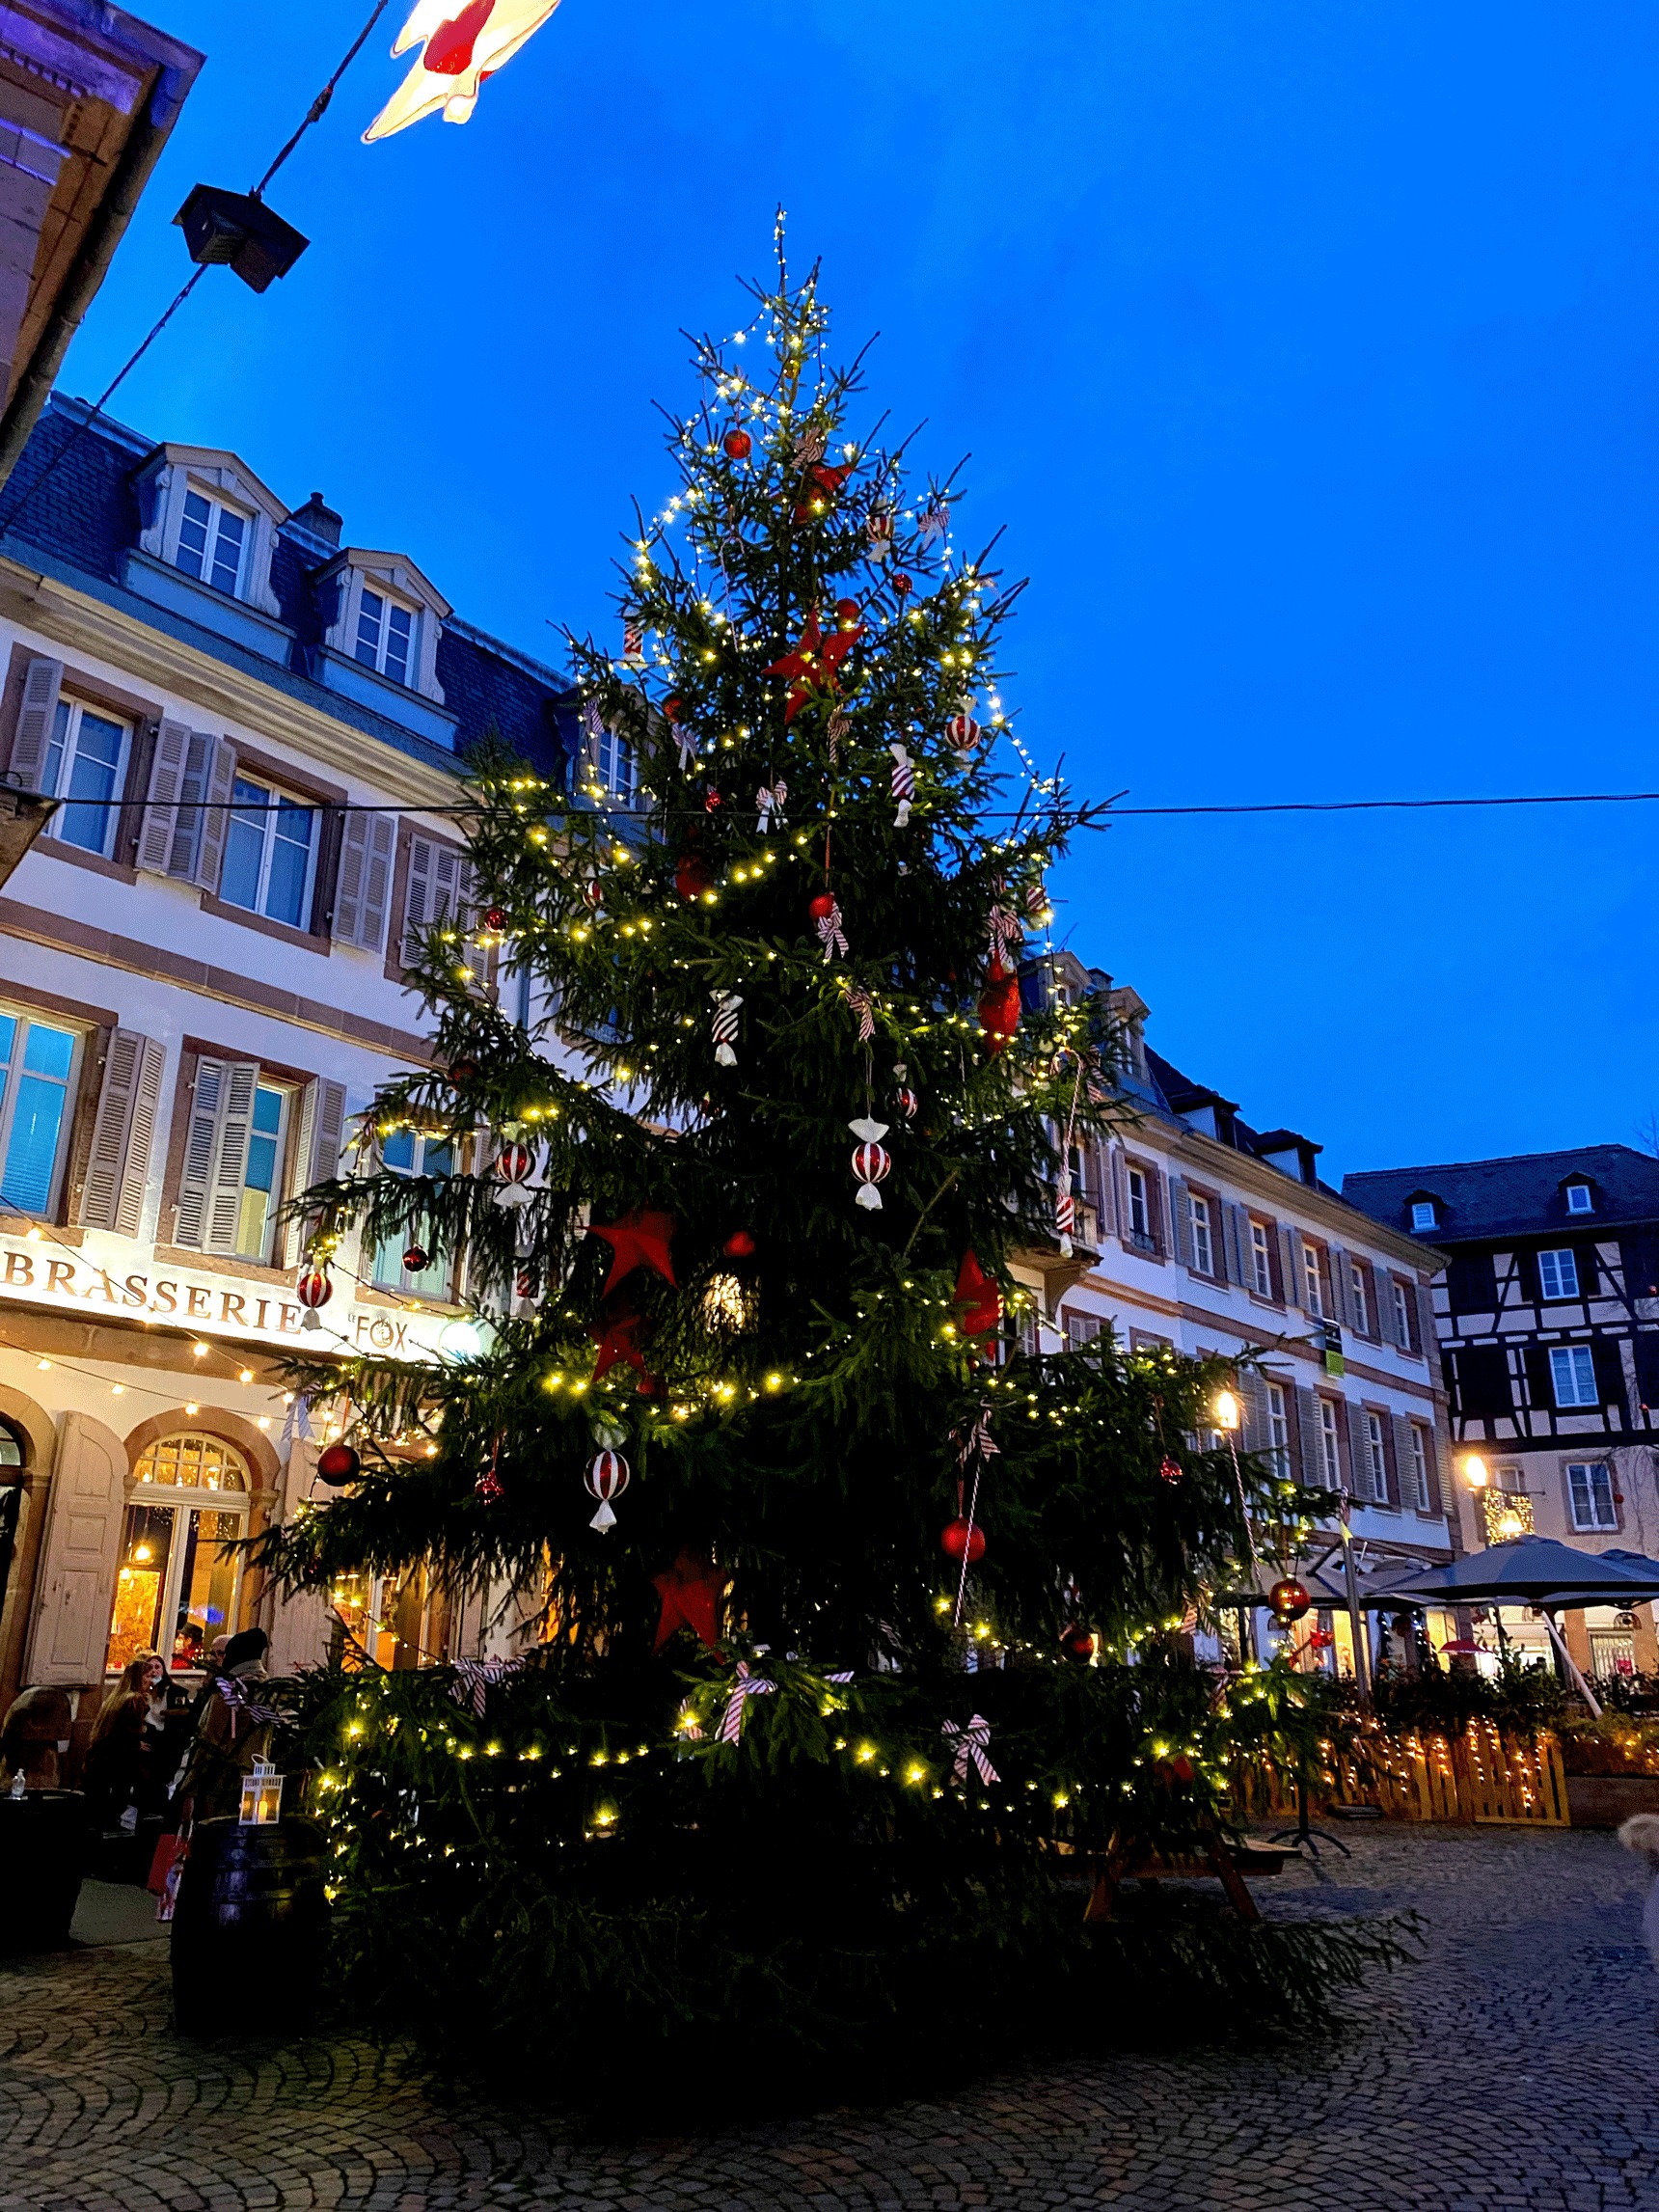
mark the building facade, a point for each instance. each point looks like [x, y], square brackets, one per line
[255, 732]
[1198, 1230]
[1547, 1314]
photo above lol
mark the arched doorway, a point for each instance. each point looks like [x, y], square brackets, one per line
[179, 1575]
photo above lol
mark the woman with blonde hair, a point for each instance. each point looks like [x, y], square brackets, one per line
[121, 1749]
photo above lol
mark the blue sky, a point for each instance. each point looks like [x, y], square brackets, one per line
[1307, 353]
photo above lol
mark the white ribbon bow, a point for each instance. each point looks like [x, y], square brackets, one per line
[830, 934]
[474, 1677]
[240, 1700]
[296, 1426]
[972, 1743]
[688, 745]
[769, 802]
[747, 1686]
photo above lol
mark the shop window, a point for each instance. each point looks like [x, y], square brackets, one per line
[36, 1068]
[179, 1574]
[406, 1152]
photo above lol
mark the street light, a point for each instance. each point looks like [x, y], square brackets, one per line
[1475, 1472]
[1226, 1412]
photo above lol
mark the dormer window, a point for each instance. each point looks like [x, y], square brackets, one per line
[213, 542]
[1579, 1199]
[386, 634]
[1423, 1214]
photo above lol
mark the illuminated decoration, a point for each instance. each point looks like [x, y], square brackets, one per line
[1507, 1514]
[1289, 1600]
[727, 1305]
[460, 46]
[262, 1797]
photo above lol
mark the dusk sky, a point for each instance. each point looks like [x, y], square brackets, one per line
[1310, 356]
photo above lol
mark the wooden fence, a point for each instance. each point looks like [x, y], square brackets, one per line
[1482, 1775]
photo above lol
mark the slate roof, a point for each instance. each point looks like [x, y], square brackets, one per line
[1482, 1198]
[81, 522]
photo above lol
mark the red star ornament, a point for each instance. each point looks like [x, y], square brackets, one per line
[691, 1591]
[637, 1241]
[977, 1295]
[999, 1007]
[800, 665]
[618, 1339]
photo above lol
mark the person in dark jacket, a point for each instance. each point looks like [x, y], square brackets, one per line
[229, 1734]
[118, 1778]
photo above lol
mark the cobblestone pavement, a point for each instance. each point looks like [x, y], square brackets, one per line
[1513, 2070]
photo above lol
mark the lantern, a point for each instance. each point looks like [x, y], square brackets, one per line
[337, 1463]
[1289, 1600]
[960, 1539]
[262, 1797]
[513, 1166]
[312, 1290]
[606, 1478]
[871, 1164]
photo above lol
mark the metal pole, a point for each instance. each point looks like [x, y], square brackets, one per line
[1356, 1615]
[1572, 1665]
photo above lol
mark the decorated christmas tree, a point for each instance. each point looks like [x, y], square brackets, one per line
[846, 1622]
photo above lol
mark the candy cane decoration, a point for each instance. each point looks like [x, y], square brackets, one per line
[831, 934]
[860, 1004]
[904, 784]
[933, 519]
[725, 1027]
[839, 724]
[811, 444]
[972, 1743]
[632, 645]
[768, 800]
[979, 1445]
[747, 1686]
[1066, 1218]
[1002, 933]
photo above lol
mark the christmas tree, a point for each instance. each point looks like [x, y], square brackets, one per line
[750, 1434]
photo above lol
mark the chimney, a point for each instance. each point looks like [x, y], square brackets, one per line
[319, 518]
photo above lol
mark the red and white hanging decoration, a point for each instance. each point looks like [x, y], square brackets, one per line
[826, 913]
[835, 729]
[970, 1743]
[747, 1684]
[515, 1163]
[879, 529]
[313, 1290]
[964, 733]
[607, 1478]
[632, 645]
[861, 1006]
[768, 803]
[462, 42]
[1065, 1221]
[872, 1163]
[905, 1100]
[724, 1026]
[1003, 933]
[904, 783]
[810, 447]
[1037, 908]
[933, 520]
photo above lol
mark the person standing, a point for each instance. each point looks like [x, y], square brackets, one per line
[230, 1734]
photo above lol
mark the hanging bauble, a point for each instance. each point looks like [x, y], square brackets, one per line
[496, 918]
[632, 645]
[964, 732]
[901, 585]
[711, 802]
[593, 892]
[739, 1246]
[415, 1260]
[1037, 905]
[489, 1485]
[337, 1463]
[672, 707]
[739, 445]
[1078, 1643]
[999, 1007]
[514, 1165]
[463, 1070]
[312, 1290]
[822, 907]
[879, 529]
[607, 1478]
[848, 612]
[906, 1102]
[1289, 1600]
[871, 1164]
[690, 878]
[963, 1539]
[528, 1284]
[1169, 1469]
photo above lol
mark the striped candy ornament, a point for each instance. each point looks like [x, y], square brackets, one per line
[933, 519]
[879, 529]
[607, 1478]
[312, 1290]
[871, 1164]
[904, 783]
[831, 934]
[725, 1027]
[632, 645]
[1065, 1221]
[769, 801]
[514, 1165]
[810, 447]
[964, 732]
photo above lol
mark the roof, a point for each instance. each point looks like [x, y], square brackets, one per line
[1482, 1198]
[84, 519]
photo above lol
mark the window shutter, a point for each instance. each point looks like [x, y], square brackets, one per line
[298, 1227]
[1120, 1193]
[1253, 1421]
[1405, 1463]
[1309, 1436]
[1382, 1300]
[216, 1156]
[86, 1500]
[1359, 1457]
[418, 895]
[1589, 1270]
[118, 1168]
[1422, 1304]
[42, 681]
[363, 890]
[231, 1169]
[1540, 1381]
[1181, 1213]
[162, 795]
[1291, 1266]
[1608, 1370]
[194, 790]
[1342, 1303]
[200, 1148]
[216, 817]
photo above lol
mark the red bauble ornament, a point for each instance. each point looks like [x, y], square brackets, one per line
[495, 917]
[902, 585]
[463, 1071]
[739, 445]
[871, 1164]
[961, 1536]
[1289, 1600]
[416, 1259]
[672, 708]
[1078, 1643]
[906, 1102]
[847, 612]
[739, 1246]
[999, 1007]
[314, 1289]
[337, 1463]
[822, 907]
[514, 1163]
[1169, 1469]
[690, 878]
[711, 802]
[593, 891]
[606, 1478]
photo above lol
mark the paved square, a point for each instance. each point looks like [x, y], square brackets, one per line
[1514, 2070]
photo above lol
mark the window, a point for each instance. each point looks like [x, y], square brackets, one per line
[1423, 1214]
[1572, 1372]
[1579, 1199]
[1589, 1490]
[1261, 1261]
[1203, 1248]
[1278, 1431]
[233, 1160]
[1081, 1330]
[614, 763]
[1420, 1489]
[1402, 1313]
[386, 636]
[1359, 1298]
[407, 1152]
[211, 541]
[177, 1582]
[1312, 1282]
[267, 865]
[83, 759]
[1140, 1209]
[37, 1062]
[1558, 1274]
[1377, 1458]
[1331, 1454]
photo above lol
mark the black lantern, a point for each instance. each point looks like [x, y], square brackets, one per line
[240, 231]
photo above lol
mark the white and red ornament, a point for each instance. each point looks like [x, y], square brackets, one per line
[964, 733]
[879, 529]
[835, 729]
[872, 1163]
[515, 1164]
[313, 1290]
[462, 42]
[769, 805]
[904, 783]
[905, 1100]
[1065, 1221]
[826, 911]
[632, 645]
[934, 519]
[723, 1026]
[607, 1478]
[1037, 907]
[810, 447]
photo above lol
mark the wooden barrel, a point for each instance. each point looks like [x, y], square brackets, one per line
[250, 1930]
[43, 1851]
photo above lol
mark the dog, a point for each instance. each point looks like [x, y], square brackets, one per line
[1641, 1834]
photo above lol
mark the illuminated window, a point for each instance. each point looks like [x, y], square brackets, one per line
[212, 540]
[84, 762]
[37, 1067]
[180, 1574]
[386, 636]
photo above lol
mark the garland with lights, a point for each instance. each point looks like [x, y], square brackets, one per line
[738, 1211]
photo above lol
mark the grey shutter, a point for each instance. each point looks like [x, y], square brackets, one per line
[1382, 1291]
[216, 816]
[1405, 1472]
[315, 1154]
[201, 1150]
[84, 1507]
[298, 1228]
[194, 790]
[42, 681]
[216, 1155]
[231, 1169]
[118, 1166]
[418, 894]
[364, 887]
[1290, 1264]
[1235, 1242]
[1308, 1436]
[1359, 1454]
[1427, 1333]
[1180, 1221]
[1120, 1193]
[1338, 1261]
[166, 788]
[1253, 1397]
